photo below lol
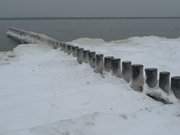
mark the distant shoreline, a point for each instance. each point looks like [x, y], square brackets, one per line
[70, 18]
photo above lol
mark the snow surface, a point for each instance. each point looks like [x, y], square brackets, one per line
[46, 92]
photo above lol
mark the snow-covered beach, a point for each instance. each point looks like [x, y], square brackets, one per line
[46, 92]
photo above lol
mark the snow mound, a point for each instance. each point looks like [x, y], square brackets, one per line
[30, 50]
[90, 41]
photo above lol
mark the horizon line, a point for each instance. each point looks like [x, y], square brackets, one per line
[53, 18]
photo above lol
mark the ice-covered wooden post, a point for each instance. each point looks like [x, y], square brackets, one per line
[87, 56]
[108, 63]
[75, 51]
[99, 63]
[126, 70]
[116, 67]
[80, 55]
[92, 59]
[175, 86]
[60, 44]
[85, 53]
[66, 48]
[72, 49]
[69, 51]
[151, 77]
[137, 81]
[55, 44]
[63, 47]
[164, 81]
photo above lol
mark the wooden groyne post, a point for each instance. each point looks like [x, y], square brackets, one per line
[151, 77]
[137, 81]
[108, 63]
[92, 59]
[126, 70]
[175, 86]
[116, 67]
[164, 81]
[99, 63]
[80, 55]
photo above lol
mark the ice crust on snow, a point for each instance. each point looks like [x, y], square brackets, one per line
[46, 92]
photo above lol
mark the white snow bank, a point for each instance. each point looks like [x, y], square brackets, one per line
[46, 92]
[151, 51]
[90, 41]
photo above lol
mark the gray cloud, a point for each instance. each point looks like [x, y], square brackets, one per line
[95, 8]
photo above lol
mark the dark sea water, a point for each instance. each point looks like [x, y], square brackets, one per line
[107, 29]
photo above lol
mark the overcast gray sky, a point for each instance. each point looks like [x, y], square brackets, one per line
[89, 8]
